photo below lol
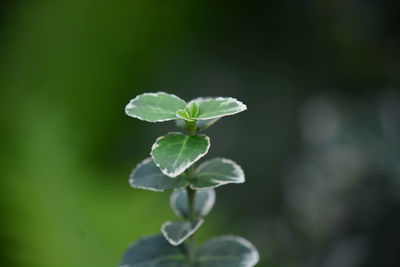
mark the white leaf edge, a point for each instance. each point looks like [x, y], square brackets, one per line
[131, 179]
[206, 208]
[186, 165]
[240, 174]
[252, 259]
[132, 105]
[179, 241]
[172, 202]
[200, 100]
[210, 203]
[138, 244]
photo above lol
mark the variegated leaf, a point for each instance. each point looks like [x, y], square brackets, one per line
[155, 107]
[176, 152]
[216, 172]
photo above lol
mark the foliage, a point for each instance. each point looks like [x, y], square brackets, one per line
[172, 167]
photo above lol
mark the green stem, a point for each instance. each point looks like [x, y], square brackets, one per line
[191, 204]
[191, 127]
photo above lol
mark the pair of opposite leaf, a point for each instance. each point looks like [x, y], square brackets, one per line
[176, 152]
[176, 232]
[158, 107]
[208, 175]
[225, 251]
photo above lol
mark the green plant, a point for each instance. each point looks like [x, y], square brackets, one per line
[171, 167]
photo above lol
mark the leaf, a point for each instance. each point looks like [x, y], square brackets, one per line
[175, 152]
[211, 108]
[189, 113]
[204, 201]
[148, 176]
[153, 251]
[155, 107]
[227, 251]
[193, 109]
[177, 232]
[184, 115]
[217, 172]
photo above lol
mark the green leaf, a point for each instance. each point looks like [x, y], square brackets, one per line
[189, 113]
[212, 108]
[177, 232]
[175, 152]
[184, 114]
[204, 201]
[147, 175]
[217, 172]
[193, 109]
[153, 251]
[227, 251]
[155, 107]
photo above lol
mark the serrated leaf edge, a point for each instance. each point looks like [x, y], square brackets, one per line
[178, 242]
[185, 166]
[130, 105]
[252, 259]
[241, 175]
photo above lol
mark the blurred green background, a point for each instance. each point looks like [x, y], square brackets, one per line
[319, 143]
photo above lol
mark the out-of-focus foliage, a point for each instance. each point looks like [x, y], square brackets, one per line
[312, 193]
[67, 69]
[342, 195]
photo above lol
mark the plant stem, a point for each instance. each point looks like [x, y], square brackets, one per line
[191, 200]
[192, 217]
[191, 127]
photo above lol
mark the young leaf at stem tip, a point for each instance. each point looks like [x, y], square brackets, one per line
[189, 113]
[193, 110]
[184, 114]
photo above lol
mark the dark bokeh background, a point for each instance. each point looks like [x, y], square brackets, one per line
[319, 143]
